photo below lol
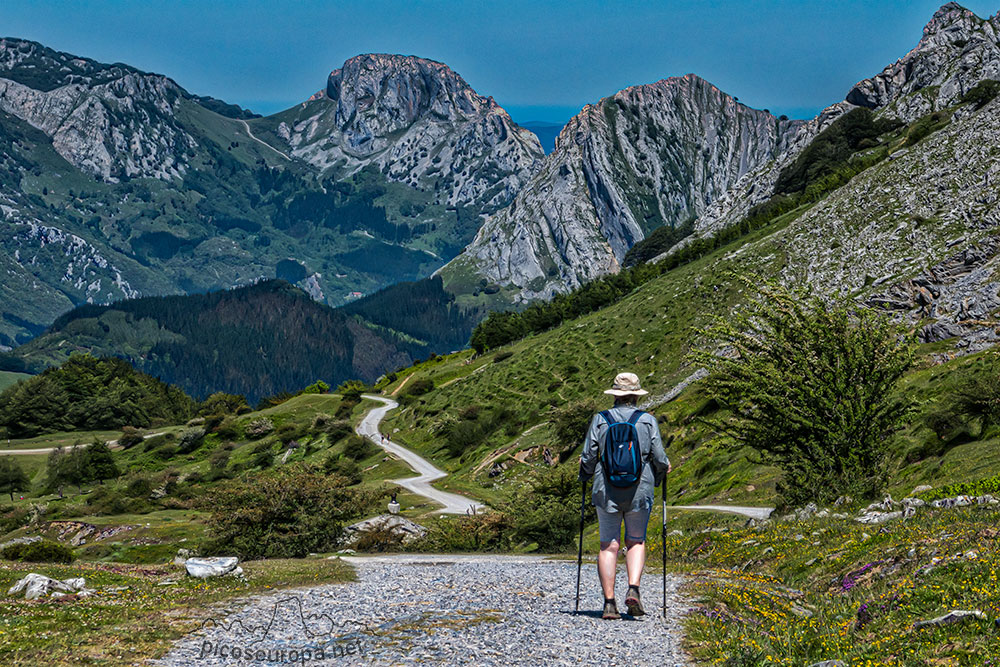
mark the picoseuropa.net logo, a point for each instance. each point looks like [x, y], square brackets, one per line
[287, 635]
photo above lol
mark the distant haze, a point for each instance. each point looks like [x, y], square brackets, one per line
[543, 61]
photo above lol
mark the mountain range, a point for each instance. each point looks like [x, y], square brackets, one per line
[126, 185]
[118, 183]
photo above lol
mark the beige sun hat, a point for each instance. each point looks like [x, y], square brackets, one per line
[626, 384]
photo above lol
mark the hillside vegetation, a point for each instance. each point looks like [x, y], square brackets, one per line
[651, 328]
[87, 393]
[255, 341]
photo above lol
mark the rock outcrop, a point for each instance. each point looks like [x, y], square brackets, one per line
[679, 149]
[958, 50]
[420, 123]
[111, 121]
[650, 155]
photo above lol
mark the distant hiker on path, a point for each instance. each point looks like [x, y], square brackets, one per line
[623, 453]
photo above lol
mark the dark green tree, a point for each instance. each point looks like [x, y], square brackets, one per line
[221, 403]
[100, 462]
[810, 385]
[12, 478]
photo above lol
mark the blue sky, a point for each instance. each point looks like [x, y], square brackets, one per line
[541, 60]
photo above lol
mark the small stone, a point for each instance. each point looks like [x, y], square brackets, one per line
[952, 617]
[829, 663]
[920, 489]
[182, 556]
[801, 612]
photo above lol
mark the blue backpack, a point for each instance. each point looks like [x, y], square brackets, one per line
[622, 456]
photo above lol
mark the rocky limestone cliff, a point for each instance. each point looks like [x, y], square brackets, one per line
[420, 123]
[111, 121]
[650, 155]
[957, 51]
[916, 235]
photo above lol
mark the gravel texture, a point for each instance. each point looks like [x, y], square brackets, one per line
[471, 610]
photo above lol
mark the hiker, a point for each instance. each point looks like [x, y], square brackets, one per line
[623, 486]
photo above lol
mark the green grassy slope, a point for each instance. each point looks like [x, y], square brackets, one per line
[836, 245]
[160, 526]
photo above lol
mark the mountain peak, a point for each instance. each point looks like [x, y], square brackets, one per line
[409, 86]
[951, 17]
[958, 49]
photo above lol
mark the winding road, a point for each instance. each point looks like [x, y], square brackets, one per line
[758, 513]
[426, 471]
[250, 134]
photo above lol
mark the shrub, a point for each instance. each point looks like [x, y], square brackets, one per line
[351, 390]
[139, 487]
[468, 433]
[221, 403]
[190, 440]
[12, 518]
[167, 451]
[491, 531]
[263, 459]
[358, 448]
[130, 437]
[570, 425]
[545, 511]
[321, 421]
[344, 467]
[106, 501]
[157, 441]
[810, 386]
[291, 431]
[284, 514]
[345, 408]
[418, 387]
[44, 551]
[228, 429]
[978, 395]
[317, 387]
[982, 93]
[339, 429]
[258, 428]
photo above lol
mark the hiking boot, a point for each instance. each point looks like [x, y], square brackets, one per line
[633, 603]
[610, 611]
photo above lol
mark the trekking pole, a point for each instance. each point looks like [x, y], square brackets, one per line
[579, 557]
[663, 538]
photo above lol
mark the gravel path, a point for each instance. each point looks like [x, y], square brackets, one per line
[467, 610]
[427, 472]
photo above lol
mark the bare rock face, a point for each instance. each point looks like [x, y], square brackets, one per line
[958, 50]
[111, 121]
[420, 123]
[647, 156]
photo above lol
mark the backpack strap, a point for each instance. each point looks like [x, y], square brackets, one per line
[635, 417]
[607, 417]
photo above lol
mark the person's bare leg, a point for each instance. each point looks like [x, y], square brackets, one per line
[607, 564]
[635, 561]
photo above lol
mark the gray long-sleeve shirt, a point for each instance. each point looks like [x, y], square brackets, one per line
[611, 498]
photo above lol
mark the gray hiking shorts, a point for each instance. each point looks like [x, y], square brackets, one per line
[610, 525]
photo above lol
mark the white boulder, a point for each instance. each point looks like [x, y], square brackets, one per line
[38, 585]
[203, 568]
